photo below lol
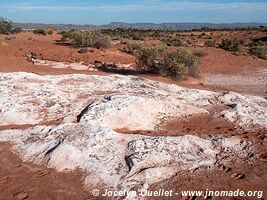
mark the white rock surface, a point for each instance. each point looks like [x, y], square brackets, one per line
[61, 65]
[118, 101]
[106, 103]
[113, 160]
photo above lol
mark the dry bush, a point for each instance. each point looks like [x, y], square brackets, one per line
[148, 58]
[170, 64]
[92, 38]
[40, 32]
[132, 48]
[179, 63]
[259, 51]
[209, 43]
[230, 45]
[50, 31]
[173, 41]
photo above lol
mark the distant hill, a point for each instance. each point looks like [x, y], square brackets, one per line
[161, 26]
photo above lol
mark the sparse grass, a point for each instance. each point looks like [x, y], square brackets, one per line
[259, 51]
[3, 44]
[11, 37]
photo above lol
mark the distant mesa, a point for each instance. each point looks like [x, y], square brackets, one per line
[161, 26]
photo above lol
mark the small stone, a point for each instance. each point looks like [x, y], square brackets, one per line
[224, 168]
[262, 155]
[41, 174]
[22, 195]
[17, 165]
[4, 179]
[237, 175]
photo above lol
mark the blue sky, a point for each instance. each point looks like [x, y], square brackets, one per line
[157, 11]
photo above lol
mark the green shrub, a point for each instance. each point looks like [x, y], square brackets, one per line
[50, 32]
[148, 58]
[87, 38]
[230, 45]
[160, 61]
[7, 27]
[209, 43]
[137, 36]
[132, 48]
[173, 41]
[101, 42]
[179, 63]
[40, 32]
[259, 51]
[66, 35]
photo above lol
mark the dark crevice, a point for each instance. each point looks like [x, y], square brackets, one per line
[85, 110]
[54, 147]
[129, 162]
[233, 105]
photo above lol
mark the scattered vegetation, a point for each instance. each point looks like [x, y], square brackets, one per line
[66, 35]
[40, 31]
[7, 27]
[133, 48]
[177, 64]
[50, 32]
[3, 44]
[81, 39]
[173, 41]
[166, 63]
[259, 51]
[209, 43]
[230, 45]
[11, 37]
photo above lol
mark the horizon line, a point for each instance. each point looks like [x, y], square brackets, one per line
[156, 23]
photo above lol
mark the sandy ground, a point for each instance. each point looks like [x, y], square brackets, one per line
[221, 178]
[240, 70]
[219, 71]
[22, 180]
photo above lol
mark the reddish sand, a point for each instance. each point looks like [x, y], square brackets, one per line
[18, 179]
[13, 57]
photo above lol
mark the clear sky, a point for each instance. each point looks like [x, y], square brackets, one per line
[157, 11]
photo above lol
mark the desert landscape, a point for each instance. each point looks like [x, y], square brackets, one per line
[132, 109]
